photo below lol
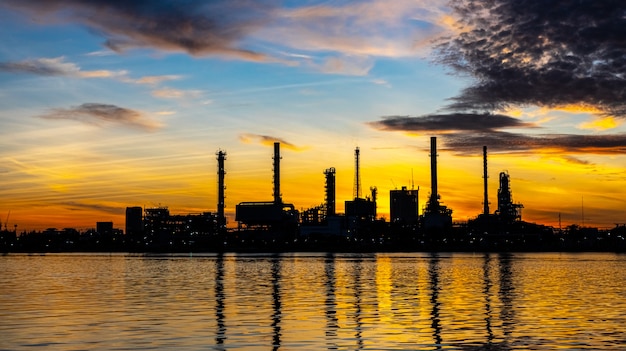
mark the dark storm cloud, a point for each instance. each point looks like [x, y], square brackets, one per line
[521, 143]
[448, 123]
[197, 27]
[93, 113]
[540, 52]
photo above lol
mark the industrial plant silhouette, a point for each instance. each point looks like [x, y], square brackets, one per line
[275, 226]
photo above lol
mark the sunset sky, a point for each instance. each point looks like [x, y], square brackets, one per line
[108, 104]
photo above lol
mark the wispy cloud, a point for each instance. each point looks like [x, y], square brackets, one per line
[267, 140]
[363, 28]
[347, 37]
[56, 66]
[548, 54]
[170, 93]
[96, 114]
[74, 205]
[155, 80]
[347, 65]
[59, 66]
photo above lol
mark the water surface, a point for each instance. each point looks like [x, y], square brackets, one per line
[313, 301]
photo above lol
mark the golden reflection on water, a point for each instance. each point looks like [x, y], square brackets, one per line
[313, 301]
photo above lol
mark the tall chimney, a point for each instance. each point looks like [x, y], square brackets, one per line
[357, 174]
[221, 218]
[330, 191]
[434, 197]
[486, 198]
[277, 199]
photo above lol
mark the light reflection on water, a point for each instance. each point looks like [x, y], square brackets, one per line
[313, 301]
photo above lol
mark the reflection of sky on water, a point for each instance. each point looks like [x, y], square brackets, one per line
[315, 301]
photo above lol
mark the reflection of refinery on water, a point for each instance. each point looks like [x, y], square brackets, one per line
[277, 225]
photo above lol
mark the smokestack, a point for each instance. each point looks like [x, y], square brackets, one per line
[330, 191]
[486, 198]
[221, 218]
[357, 175]
[277, 199]
[434, 197]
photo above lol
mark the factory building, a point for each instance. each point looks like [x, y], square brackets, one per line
[404, 206]
[134, 220]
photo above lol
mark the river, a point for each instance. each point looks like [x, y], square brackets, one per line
[410, 301]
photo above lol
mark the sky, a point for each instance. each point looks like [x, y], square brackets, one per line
[108, 104]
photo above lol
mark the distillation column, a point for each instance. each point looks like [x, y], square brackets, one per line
[330, 191]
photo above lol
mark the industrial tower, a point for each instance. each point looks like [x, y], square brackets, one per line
[486, 196]
[221, 187]
[277, 196]
[507, 210]
[330, 191]
[436, 216]
[357, 174]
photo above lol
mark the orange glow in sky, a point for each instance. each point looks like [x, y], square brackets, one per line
[97, 114]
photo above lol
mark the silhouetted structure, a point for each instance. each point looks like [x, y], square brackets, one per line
[263, 225]
[507, 210]
[485, 177]
[134, 221]
[404, 206]
[357, 174]
[274, 216]
[221, 187]
[360, 213]
[156, 225]
[104, 228]
[436, 217]
[277, 195]
[322, 222]
[329, 188]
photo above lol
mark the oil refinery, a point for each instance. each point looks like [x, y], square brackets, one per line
[276, 225]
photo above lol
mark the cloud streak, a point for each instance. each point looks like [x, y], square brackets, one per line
[60, 67]
[56, 66]
[449, 123]
[533, 52]
[96, 114]
[613, 144]
[267, 140]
